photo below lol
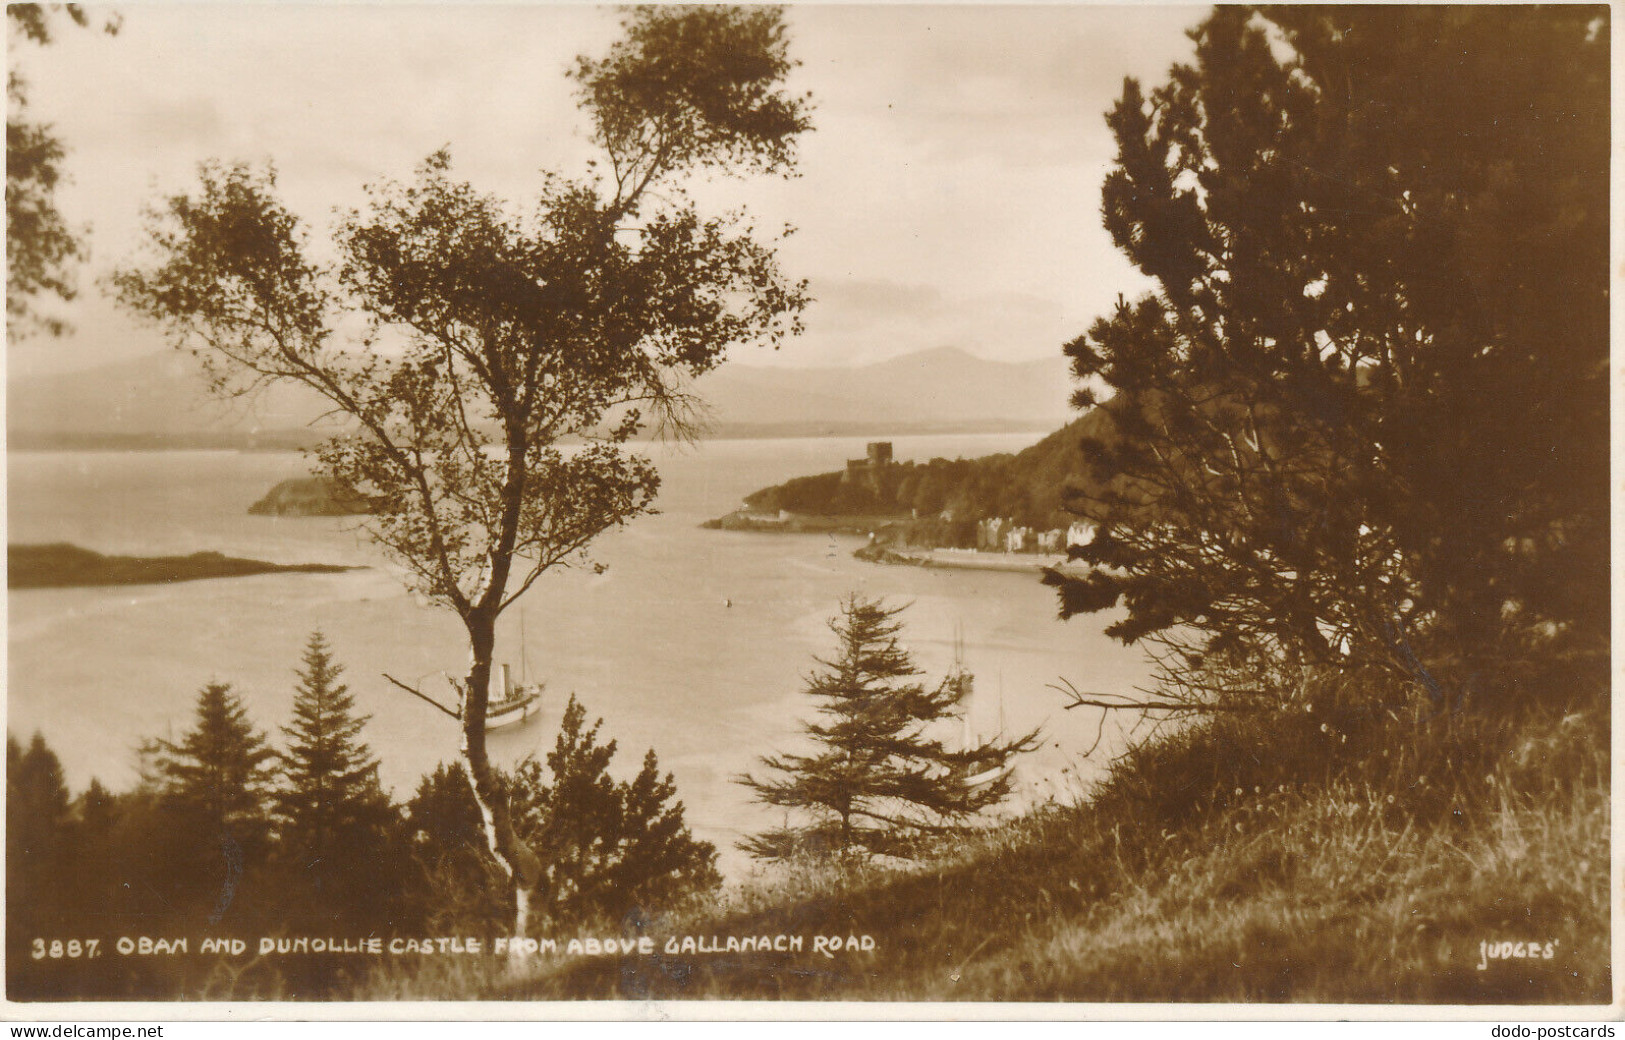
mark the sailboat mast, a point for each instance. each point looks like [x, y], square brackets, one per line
[1001, 702]
[967, 734]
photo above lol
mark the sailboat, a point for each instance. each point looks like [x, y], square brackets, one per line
[969, 739]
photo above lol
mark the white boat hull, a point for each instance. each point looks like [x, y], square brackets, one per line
[512, 716]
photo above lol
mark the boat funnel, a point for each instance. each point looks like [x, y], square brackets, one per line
[507, 684]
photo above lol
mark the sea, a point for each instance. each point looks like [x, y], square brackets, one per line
[695, 643]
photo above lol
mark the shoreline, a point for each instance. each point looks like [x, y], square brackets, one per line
[879, 551]
[962, 559]
[800, 523]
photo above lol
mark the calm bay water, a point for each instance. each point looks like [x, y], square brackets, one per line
[652, 645]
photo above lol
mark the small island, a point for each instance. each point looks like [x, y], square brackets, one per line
[310, 496]
[60, 566]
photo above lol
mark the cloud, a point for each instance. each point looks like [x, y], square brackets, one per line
[191, 123]
[1027, 85]
[949, 194]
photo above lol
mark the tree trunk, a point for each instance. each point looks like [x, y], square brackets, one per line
[519, 863]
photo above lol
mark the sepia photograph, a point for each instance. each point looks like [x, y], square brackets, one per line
[908, 505]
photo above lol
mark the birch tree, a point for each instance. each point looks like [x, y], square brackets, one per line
[498, 336]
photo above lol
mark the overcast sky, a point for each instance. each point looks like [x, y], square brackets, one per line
[949, 194]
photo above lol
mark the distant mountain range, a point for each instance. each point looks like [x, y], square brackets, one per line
[934, 391]
[157, 401]
[161, 401]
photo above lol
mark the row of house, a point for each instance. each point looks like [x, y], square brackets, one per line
[1000, 534]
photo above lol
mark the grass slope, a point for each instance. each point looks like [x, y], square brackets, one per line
[1329, 856]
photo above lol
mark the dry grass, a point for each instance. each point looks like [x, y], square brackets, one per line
[1338, 856]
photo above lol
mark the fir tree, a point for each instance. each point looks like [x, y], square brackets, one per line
[220, 769]
[329, 783]
[332, 818]
[879, 780]
[213, 786]
[38, 837]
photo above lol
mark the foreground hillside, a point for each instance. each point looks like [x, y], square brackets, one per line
[1332, 857]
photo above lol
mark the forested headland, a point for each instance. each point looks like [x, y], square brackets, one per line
[934, 502]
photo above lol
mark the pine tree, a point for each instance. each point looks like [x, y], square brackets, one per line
[101, 859]
[455, 885]
[880, 780]
[1363, 419]
[332, 818]
[611, 846]
[608, 848]
[669, 859]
